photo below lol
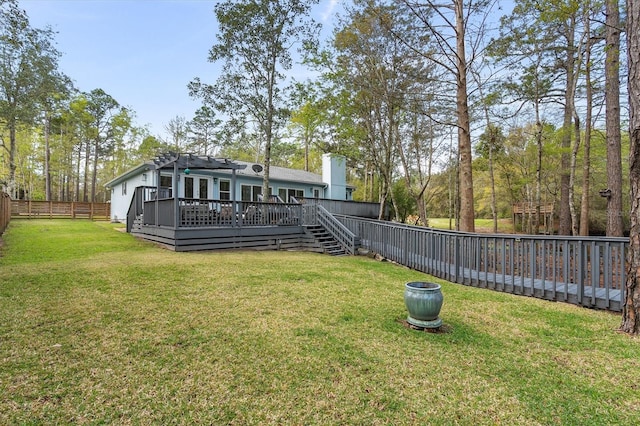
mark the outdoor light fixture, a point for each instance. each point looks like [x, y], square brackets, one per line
[187, 171]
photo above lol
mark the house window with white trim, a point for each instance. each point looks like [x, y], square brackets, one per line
[225, 189]
[287, 193]
[203, 192]
[124, 188]
[188, 187]
[250, 192]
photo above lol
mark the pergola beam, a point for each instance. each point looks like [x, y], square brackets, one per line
[190, 161]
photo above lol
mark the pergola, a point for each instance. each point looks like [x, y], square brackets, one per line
[185, 163]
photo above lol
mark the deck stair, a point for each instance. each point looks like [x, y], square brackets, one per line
[322, 239]
[137, 223]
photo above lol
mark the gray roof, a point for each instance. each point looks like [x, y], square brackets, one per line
[278, 174]
[139, 169]
[275, 173]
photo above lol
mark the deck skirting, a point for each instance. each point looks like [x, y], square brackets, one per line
[218, 238]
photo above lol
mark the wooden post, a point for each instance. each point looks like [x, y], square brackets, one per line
[176, 202]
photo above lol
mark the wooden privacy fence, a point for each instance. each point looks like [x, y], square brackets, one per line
[60, 209]
[5, 211]
[585, 271]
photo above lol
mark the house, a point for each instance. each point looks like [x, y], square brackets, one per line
[187, 202]
[206, 178]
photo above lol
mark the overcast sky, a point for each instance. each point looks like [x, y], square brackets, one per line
[141, 52]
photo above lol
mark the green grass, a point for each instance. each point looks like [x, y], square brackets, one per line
[482, 225]
[98, 327]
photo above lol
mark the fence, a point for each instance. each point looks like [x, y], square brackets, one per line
[60, 209]
[347, 208]
[5, 211]
[580, 270]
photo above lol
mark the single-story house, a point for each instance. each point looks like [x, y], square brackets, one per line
[233, 181]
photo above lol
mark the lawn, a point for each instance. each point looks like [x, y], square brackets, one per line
[98, 327]
[505, 226]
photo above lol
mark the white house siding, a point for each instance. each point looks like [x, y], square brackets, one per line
[121, 198]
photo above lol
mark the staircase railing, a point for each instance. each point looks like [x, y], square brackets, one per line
[140, 195]
[338, 231]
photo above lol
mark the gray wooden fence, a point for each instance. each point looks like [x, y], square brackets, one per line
[586, 271]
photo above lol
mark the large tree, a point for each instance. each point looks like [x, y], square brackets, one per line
[254, 41]
[450, 24]
[631, 309]
[203, 131]
[612, 97]
[28, 63]
[106, 116]
[388, 84]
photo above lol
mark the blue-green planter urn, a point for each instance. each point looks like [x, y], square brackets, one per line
[423, 301]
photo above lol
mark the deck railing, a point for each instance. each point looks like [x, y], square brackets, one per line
[211, 213]
[136, 207]
[347, 208]
[587, 271]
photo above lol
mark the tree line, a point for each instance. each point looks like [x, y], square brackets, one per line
[456, 109]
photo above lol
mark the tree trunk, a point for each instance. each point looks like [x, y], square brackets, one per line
[13, 155]
[572, 177]
[612, 101]
[538, 194]
[586, 165]
[94, 173]
[467, 214]
[564, 225]
[47, 159]
[85, 188]
[631, 309]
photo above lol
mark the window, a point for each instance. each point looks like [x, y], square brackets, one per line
[188, 187]
[251, 192]
[203, 188]
[287, 193]
[225, 189]
[165, 181]
[124, 188]
[298, 193]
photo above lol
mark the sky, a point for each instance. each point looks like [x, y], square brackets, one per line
[141, 52]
